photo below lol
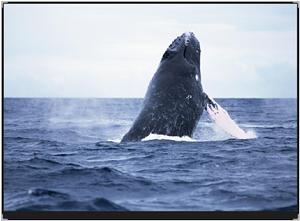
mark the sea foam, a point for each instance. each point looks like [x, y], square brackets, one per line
[166, 137]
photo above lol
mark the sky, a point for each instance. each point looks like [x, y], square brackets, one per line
[110, 50]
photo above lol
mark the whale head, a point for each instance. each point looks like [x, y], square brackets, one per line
[183, 51]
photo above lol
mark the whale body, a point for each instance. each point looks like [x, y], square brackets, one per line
[175, 100]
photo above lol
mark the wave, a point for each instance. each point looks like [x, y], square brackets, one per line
[108, 205]
[271, 126]
[98, 170]
[19, 139]
[51, 143]
[58, 201]
[63, 154]
[118, 158]
[42, 163]
[58, 135]
[102, 176]
[34, 140]
[46, 192]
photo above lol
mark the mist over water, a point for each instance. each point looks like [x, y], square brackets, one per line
[64, 154]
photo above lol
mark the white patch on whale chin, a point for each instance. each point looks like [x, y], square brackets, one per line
[196, 77]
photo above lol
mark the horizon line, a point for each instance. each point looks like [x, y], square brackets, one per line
[143, 97]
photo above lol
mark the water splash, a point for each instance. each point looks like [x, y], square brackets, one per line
[166, 137]
[222, 119]
[115, 140]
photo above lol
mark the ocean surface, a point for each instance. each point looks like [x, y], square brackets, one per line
[64, 154]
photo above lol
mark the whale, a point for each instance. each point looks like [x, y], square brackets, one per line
[175, 100]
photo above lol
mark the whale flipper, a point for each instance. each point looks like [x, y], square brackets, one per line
[223, 120]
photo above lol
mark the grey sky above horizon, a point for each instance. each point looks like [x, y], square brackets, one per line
[109, 50]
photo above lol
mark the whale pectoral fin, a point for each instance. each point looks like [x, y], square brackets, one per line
[209, 101]
[223, 120]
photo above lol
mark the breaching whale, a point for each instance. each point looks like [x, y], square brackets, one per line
[175, 100]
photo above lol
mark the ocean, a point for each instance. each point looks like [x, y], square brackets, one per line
[65, 154]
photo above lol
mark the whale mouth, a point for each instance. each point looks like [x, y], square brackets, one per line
[187, 36]
[187, 54]
[184, 52]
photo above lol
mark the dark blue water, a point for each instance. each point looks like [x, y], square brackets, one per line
[62, 154]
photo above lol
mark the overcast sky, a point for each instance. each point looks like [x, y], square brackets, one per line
[114, 50]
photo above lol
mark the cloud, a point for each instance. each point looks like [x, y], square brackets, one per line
[114, 50]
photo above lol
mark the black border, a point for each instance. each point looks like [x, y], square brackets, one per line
[146, 2]
[157, 215]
